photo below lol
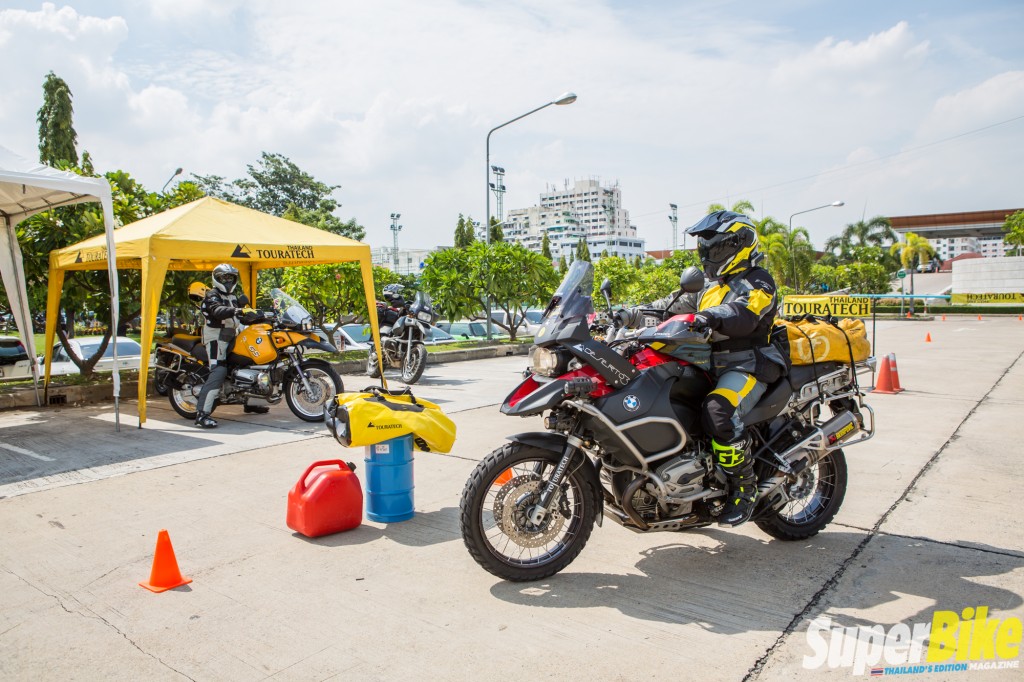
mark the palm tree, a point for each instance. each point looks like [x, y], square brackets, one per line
[875, 232]
[790, 256]
[911, 252]
[741, 206]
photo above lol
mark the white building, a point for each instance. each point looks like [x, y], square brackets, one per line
[409, 261]
[584, 210]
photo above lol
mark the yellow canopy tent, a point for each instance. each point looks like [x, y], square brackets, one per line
[200, 236]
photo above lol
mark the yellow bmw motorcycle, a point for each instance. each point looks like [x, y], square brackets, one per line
[266, 361]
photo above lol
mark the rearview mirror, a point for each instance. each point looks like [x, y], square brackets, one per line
[606, 289]
[692, 280]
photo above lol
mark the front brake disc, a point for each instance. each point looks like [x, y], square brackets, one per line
[513, 503]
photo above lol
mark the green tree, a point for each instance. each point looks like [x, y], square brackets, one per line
[622, 275]
[789, 256]
[497, 234]
[463, 233]
[563, 267]
[460, 279]
[57, 137]
[1014, 229]
[334, 293]
[913, 250]
[864, 278]
[652, 283]
[679, 261]
[323, 217]
[823, 278]
[741, 206]
[545, 246]
[582, 250]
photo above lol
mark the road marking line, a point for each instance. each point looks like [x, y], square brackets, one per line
[28, 453]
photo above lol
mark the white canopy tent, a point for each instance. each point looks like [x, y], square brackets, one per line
[27, 188]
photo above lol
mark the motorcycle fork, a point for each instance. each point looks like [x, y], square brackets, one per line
[548, 497]
[302, 376]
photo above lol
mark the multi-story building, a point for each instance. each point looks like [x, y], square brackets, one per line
[585, 210]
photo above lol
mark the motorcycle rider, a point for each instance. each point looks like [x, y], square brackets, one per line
[738, 304]
[221, 309]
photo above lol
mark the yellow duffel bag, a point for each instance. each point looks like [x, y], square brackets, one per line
[812, 339]
[376, 415]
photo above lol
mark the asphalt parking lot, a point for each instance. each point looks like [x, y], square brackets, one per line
[929, 524]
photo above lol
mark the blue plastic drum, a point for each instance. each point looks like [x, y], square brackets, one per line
[389, 481]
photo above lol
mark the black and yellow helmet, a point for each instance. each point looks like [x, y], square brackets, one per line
[726, 243]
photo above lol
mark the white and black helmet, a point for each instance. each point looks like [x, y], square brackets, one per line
[225, 277]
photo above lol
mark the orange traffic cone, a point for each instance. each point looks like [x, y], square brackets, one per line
[1020, 318]
[943, 318]
[928, 337]
[503, 478]
[979, 318]
[909, 316]
[895, 374]
[165, 574]
[884, 378]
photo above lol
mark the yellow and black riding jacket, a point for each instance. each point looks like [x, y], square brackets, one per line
[744, 306]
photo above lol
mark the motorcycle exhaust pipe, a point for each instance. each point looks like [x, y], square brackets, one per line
[839, 428]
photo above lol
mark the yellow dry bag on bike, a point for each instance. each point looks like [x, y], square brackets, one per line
[376, 415]
[813, 339]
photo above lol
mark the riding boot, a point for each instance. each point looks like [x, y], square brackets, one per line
[738, 467]
[205, 421]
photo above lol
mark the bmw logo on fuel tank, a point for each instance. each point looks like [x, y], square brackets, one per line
[631, 403]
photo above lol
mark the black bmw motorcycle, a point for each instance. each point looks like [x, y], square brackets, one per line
[624, 440]
[403, 329]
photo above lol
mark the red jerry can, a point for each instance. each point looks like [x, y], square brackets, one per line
[329, 502]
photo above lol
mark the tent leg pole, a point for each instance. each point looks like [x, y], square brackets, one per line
[117, 414]
[39, 403]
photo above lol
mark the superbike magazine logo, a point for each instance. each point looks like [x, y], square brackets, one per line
[951, 642]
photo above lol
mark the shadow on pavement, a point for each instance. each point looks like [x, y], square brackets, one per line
[744, 584]
[422, 530]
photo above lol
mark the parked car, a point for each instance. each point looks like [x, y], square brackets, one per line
[14, 360]
[472, 331]
[129, 354]
[360, 335]
[523, 324]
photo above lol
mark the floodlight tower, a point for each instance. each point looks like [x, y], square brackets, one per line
[674, 219]
[395, 229]
[498, 187]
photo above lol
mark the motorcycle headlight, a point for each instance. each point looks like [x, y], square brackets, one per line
[307, 324]
[548, 362]
[423, 316]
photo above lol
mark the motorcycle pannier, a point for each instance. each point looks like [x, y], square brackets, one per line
[376, 415]
[813, 340]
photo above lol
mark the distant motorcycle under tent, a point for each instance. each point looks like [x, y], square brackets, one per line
[197, 237]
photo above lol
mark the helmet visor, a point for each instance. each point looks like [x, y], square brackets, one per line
[226, 279]
[717, 250]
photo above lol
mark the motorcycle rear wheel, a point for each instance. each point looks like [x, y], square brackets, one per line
[493, 509]
[325, 383]
[184, 397]
[413, 366]
[823, 486]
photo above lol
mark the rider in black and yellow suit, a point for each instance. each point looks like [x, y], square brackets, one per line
[738, 304]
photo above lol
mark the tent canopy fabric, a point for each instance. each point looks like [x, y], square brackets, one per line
[27, 188]
[199, 236]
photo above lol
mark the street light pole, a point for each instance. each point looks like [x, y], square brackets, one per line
[792, 255]
[177, 172]
[395, 229]
[566, 98]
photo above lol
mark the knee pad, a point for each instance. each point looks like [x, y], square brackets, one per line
[717, 418]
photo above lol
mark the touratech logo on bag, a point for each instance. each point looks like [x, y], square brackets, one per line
[968, 641]
[371, 425]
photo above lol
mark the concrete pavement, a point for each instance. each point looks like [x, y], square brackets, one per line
[928, 524]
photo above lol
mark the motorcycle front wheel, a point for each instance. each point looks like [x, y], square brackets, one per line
[495, 512]
[815, 498]
[324, 384]
[413, 366]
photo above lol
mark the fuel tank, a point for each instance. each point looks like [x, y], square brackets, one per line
[254, 346]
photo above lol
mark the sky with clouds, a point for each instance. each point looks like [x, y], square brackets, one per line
[896, 108]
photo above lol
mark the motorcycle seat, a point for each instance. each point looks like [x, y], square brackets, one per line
[771, 403]
[186, 342]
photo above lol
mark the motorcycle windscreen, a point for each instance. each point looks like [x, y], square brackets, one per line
[571, 301]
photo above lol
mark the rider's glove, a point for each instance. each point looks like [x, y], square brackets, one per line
[702, 322]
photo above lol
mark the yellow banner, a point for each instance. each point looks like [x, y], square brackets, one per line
[836, 306]
[962, 299]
